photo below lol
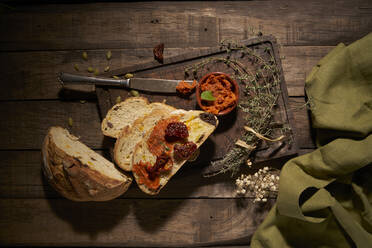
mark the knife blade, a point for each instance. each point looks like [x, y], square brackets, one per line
[143, 84]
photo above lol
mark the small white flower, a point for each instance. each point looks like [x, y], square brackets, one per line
[243, 191]
[277, 177]
[273, 188]
[264, 200]
[266, 168]
[256, 174]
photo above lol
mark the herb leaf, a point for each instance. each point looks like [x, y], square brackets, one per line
[207, 96]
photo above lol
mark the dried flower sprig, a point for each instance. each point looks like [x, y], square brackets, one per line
[262, 183]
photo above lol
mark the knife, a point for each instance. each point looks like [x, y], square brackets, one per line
[144, 84]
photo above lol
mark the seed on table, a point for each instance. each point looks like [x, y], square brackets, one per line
[70, 121]
[107, 68]
[116, 77]
[134, 93]
[76, 67]
[96, 72]
[85, 56]
[90, 69]
[108, 55]
[118, 99]
[128, 75]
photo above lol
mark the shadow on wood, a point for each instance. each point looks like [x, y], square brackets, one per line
[88, 217]
[152, 214]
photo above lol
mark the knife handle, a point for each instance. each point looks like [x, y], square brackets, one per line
[67, 78]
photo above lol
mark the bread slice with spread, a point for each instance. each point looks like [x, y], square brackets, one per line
[77, 172]
[168, 145]
[129, 137]
[123, 114]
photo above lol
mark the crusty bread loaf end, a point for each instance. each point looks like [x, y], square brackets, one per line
[77, 172]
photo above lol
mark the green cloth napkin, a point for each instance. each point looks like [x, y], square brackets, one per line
[325, 196]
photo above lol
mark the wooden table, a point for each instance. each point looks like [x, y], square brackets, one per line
[37, 41]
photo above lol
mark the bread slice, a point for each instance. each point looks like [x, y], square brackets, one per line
[123, 114]
[128, 139]
[199, 124]
[77, 172]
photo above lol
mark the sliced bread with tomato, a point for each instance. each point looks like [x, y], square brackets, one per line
[122, 115]
[168, 145]
[129, 137]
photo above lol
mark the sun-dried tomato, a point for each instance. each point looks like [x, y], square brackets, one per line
[158, 53]
[184, 151]
[176, 131]
[186, 89]
[154, 170]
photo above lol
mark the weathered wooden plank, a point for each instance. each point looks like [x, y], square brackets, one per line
[135, 222]
[33, 75]
[297, 62]
[301, 115]
[26, 123]
[21, 177]
[185, 24]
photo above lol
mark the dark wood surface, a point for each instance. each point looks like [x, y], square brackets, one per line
[37, 41]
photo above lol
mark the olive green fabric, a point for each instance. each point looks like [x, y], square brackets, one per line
[325, 196]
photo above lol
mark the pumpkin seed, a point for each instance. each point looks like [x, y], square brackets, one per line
[83, 101]
[76, 67]
[85, 56]
[96, 72]
[128, 75]
[107, 68]
[90, 69]
[118, 99]
[116, 77]
[134, 93]
[108, 55]
[70, 121]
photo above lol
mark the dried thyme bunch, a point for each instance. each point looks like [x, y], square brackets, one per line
[260, 83]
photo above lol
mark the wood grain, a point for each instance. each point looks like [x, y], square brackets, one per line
[180, 24]
[21, 177]
[26, 123]
[124, 222]
[297, 62]
[34, 74]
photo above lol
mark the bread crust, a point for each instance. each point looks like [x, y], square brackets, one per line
[77, 181]
[164, 178]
